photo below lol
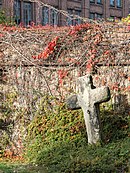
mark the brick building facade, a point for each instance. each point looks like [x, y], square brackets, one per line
[26, 11]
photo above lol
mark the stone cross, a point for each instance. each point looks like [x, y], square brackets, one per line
[89, 98]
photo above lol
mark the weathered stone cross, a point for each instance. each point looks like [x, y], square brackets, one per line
[89, 98]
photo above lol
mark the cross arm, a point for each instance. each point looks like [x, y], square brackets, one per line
[72, 102]
[101, 95]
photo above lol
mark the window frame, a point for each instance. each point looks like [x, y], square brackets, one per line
[78, 13]
[91, 13]
[98, 14]
[17, 11]
[92, 1]
[1, 2]
[72, 21]
[95, 16]
[119, 3]
[112, 3]
[30, 12]
[45, 15]
[51, 16]
[20, 7]
[99, 2]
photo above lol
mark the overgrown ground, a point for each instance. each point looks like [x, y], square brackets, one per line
[56, 140]
[58, 143]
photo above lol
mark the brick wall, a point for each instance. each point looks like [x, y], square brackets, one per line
[104, 9]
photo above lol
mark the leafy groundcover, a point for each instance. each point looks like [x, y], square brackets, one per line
[57, 142]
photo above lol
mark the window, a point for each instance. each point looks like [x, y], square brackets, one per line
[53, 17]
[45, 15]
[70, 18]
[99, 16]
[99, 1]
[49, 16]
[112, 2]
[118, 3]
[17, 11]
[95, 16]
[92, 15]
[73, 17]
[77, 20]
[92, 1]
[27, 13]
[0, 3]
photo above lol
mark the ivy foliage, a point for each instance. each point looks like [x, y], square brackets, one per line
[9, 21]
[58, 141]
[2, 17]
